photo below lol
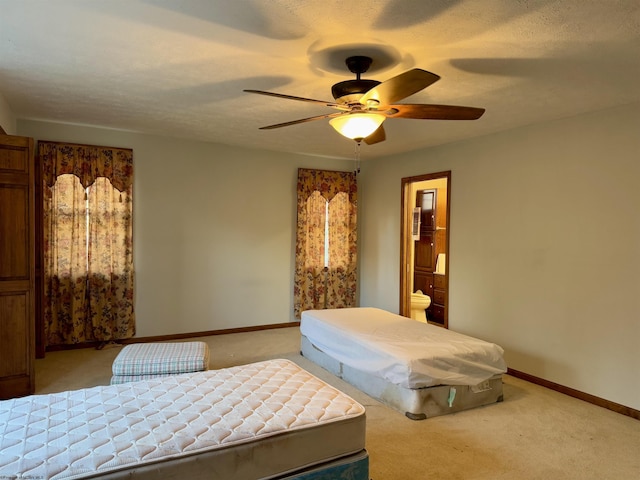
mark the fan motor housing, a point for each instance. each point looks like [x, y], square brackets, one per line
[352, 87]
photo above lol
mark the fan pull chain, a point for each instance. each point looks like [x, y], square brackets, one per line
[357, 158]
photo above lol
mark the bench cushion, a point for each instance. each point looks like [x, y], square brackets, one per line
[161, 359]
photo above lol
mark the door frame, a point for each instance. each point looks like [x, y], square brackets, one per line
[406, 213]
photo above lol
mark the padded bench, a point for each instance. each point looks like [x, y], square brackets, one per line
[143, 361]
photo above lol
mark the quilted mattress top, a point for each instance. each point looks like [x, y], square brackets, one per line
[81, 433]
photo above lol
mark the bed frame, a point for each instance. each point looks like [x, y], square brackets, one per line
[267, 420]
[415, 403]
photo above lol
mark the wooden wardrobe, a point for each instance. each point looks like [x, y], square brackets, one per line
[17, 266]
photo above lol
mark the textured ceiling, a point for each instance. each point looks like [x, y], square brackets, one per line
[178, 68]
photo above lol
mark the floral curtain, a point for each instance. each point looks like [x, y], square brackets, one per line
[88, 254]
[326, 240]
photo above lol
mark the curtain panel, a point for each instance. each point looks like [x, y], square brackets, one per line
[88, 243]
[87, 162]
[326, 240]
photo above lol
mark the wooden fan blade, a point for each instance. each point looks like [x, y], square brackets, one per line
[291, 97]
[376, 137]
[302, 120]
[433, 112]
[399, 87]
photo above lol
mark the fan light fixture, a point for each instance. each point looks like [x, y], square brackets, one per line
[357, 126]
[364, 103]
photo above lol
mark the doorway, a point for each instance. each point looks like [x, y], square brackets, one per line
[424, 245]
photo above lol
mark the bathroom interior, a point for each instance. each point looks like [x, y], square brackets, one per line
[427, 208]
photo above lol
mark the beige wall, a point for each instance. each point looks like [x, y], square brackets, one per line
[544, 259]
[545, 245]
[214, 229]
[7, 118]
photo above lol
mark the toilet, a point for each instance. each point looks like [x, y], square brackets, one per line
[419, 303]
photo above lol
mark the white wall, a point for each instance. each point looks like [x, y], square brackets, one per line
[545, 245]
[214, 229]
[7, 118]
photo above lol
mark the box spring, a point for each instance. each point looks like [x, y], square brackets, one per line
[417, 403]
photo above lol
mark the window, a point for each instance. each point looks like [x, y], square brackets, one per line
[88, 254]
[326, 240]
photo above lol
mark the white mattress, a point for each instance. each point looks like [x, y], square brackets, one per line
[253, 421]
[400, 350]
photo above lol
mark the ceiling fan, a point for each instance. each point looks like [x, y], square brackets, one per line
[364, 104]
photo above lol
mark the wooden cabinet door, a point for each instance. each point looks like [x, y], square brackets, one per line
[424, 254]
[426, 200]
[423, 281]
[17, 267]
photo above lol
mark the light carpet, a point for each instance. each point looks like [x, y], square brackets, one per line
[536, 433]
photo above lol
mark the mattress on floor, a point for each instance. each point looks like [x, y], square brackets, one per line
[400, 350]
[263, 420]
[415, 403]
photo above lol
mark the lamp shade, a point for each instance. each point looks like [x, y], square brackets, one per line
[357, 126]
